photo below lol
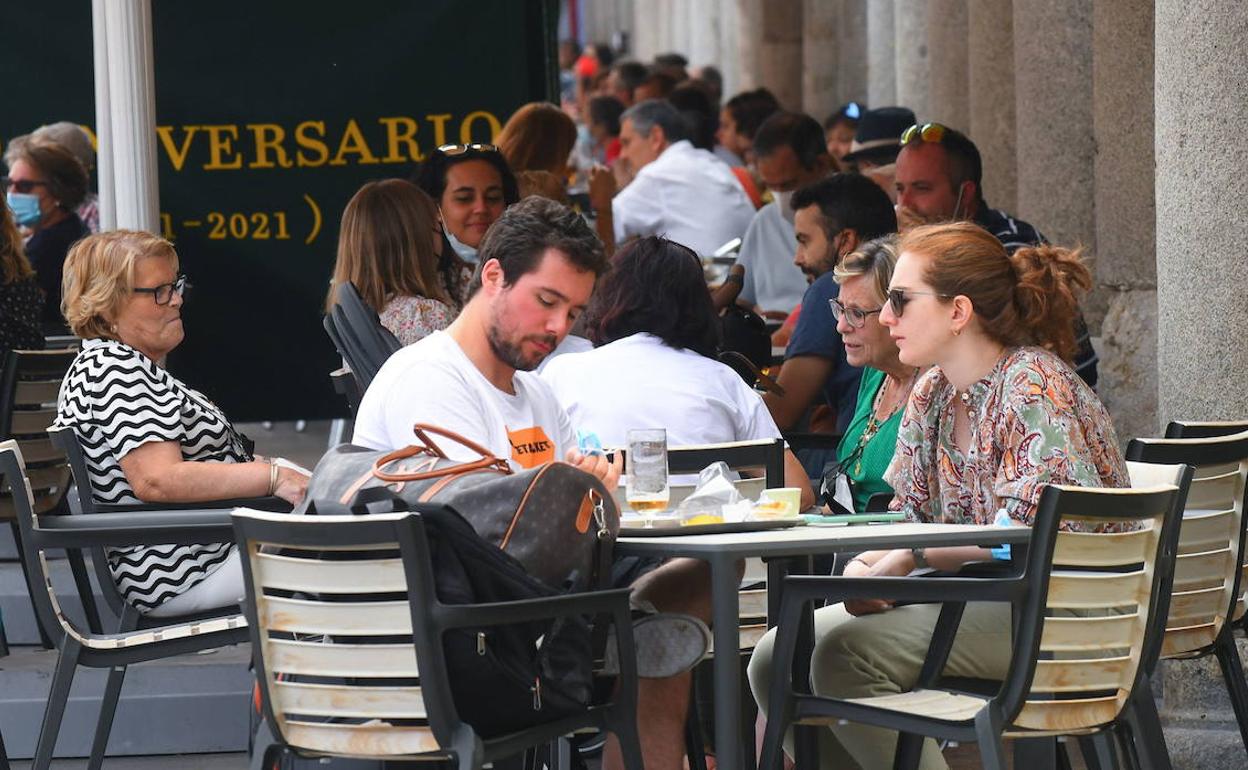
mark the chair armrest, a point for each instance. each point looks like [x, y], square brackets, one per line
[185, 527]
[502, 613]
[271, 504]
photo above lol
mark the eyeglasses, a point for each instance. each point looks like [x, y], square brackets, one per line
[163, 294]
[857, 317]
[898, 298]
[928, 132]
[20, 185]
[459, 149]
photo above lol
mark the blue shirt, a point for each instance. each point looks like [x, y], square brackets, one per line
[816, 335]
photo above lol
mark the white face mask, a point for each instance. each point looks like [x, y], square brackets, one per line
[785, 201]
[465, 252]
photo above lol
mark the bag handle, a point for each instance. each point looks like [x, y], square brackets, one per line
[426, 445]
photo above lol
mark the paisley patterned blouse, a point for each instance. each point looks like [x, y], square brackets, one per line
[1033, 422]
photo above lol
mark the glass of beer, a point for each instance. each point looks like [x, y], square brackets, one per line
[647, 489]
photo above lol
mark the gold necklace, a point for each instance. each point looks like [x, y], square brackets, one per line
[874, 424]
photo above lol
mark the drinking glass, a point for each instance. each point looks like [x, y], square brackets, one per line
[647, 489]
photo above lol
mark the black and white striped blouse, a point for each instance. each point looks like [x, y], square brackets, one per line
[117, 399]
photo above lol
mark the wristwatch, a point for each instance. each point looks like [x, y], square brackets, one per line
[920, 558]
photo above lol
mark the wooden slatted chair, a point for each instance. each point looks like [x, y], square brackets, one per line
[373, 682]
[1212, 565]
[29, 383]
[1089, 613]
[80, 647]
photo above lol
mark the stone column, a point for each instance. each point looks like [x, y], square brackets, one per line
[780, 52]
[910, 49]
[1202, 270]
[1053, 92]
[729, 46]
[704, 21]
[749, 45]
[821, 21]
[881, 61]
[1122, 102]
[948, 101]
[990, 86]
[126, 115]
[852, 60]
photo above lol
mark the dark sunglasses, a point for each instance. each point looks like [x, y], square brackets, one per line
[928, 132]
[163, 294]
[898, 298]
[20, 185]
[857, 318]
[459, 149]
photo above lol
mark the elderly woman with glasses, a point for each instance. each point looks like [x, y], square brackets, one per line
[148, 437]
[998, 416]
[472, 184]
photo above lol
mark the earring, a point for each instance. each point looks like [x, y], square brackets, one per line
[956, 332]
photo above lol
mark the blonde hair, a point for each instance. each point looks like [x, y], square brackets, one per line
[385, 245]
[99, 277]
[1030, 297]
[13, 263]
[876, 259]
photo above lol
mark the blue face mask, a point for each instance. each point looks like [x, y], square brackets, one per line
[25, 208]
[465, 252]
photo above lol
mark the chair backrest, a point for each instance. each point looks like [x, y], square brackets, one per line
[766, 455]
[345, 385]
[1095, 593]
[1194, 429]
[357, 333]
[1209, 576]
[29, 383]
[336, 641]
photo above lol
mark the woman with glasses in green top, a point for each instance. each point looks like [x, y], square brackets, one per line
[867, 446]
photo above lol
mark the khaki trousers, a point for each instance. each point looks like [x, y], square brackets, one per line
[881, 654]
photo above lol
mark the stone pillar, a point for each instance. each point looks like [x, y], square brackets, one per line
[729, 46]
[948, 100]
[126, 115]
[821, 21]
[910, 49]
[749, 45]
[1053, 90]
[1122, 102]
[704, 37]
[881, 61]
[780, 52]
[645, 34]
[990, 86]
[851, 47]
[1202, 271]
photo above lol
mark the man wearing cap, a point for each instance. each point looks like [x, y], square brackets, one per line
[876, 144]
[791, 152]
[939, 178]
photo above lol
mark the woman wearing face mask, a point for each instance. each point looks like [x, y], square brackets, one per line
[21, 301]
[472, 184]
[390, 246]
[45, 185]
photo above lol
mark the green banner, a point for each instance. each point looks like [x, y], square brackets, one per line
[270, 115]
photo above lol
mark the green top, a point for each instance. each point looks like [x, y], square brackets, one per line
[866, 471]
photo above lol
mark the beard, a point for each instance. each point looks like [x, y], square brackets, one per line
[511, 353]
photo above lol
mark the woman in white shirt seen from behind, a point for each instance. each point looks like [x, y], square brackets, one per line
[654, 366]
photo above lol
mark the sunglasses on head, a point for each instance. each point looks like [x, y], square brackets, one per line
[928, 132]
[899, 298]
[459, 149]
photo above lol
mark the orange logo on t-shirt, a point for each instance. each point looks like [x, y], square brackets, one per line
[530, 447]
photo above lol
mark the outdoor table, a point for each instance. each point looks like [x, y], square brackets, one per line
[778, 547]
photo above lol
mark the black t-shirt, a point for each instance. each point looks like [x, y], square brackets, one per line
[46, 250]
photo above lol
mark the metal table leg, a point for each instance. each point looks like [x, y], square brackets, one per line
[725, 611]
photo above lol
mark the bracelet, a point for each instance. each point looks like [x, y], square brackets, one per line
[272, 478]
[920, 557]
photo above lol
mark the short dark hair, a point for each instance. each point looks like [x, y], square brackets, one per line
[524, 232]
[849, 201]
[631, 74]
[655, 286]
[750, 108]
[698, 109]
[430, 176]
[607, 111]
[965, 163]
[792, 129]
[657, 112]
[671, 59]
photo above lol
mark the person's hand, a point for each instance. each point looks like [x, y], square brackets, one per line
[892, 564]
[602, 188]
[607, 471]
[291, 485]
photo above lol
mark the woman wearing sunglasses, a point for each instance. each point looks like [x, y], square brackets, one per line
[999, 415]
[148, 437]
[472, 184]
[44, 187]
[21, 301]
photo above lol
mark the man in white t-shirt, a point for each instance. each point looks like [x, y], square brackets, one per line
[679, 191]
[538, 266]
[791, 153]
